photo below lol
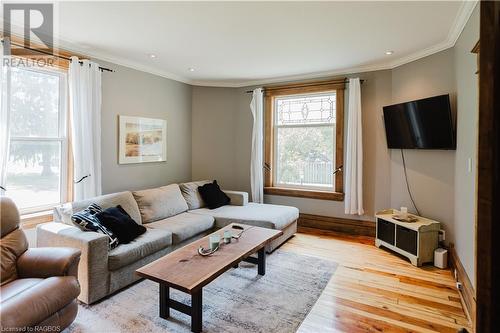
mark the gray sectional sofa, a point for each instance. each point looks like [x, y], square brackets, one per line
[174, 215]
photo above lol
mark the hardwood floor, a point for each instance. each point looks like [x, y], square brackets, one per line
[373, 290]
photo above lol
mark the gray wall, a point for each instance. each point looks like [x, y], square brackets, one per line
[222, 125]
[222, 132]
[430, 172]
[375, 93]
[135, 93]
[383, 179]
[467, 124]
[215, 136]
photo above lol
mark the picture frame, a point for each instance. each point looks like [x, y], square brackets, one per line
[141, 140]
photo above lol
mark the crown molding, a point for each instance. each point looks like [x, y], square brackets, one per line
[280, 79]
[113, 60]
[72, 47]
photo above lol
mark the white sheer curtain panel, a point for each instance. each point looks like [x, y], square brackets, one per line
[354, 148]
[256, 166]
[85, 111]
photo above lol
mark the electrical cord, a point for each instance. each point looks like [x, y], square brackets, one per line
[407, 184]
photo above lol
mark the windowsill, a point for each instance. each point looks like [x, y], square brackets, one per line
[311, 194]
[29, 221]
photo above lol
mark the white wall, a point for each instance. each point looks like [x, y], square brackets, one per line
[467, 125]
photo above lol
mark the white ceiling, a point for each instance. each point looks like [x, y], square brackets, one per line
[244, 43]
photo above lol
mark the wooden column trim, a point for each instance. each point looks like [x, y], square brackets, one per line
[339, 142]
[488, 187]
[268, 140]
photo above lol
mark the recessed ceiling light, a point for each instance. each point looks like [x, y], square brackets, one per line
[191, 69]
[152, 56]
[389, 52]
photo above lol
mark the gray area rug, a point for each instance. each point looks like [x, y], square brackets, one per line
[237, 301]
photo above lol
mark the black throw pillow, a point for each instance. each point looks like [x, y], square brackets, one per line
[213, 195]
[86, 219]
[121, 224]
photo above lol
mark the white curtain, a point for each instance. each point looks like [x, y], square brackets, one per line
[85, 109]
[4, 112]
[256, 165]
[354, 159]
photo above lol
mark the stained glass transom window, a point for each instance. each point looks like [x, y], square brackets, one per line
[309, 109]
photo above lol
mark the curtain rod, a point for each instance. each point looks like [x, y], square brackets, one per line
[54, 55]
[345, 81]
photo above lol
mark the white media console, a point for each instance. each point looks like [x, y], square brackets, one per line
[414, 240]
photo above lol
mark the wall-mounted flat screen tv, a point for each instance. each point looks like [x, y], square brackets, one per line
[422, 124]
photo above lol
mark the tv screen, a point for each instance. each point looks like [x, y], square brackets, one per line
[422, 124]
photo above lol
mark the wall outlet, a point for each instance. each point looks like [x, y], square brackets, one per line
[442, 235]
[459, 286]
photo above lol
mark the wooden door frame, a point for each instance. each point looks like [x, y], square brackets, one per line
[488, 191]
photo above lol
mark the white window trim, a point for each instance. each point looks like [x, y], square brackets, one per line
[276, 126]
[62, 139]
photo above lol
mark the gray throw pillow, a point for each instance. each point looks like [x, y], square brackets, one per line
[191, 194]
[159, 203]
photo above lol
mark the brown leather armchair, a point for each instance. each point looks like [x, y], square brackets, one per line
[38, 286]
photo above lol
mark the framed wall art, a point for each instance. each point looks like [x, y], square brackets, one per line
[142, 140]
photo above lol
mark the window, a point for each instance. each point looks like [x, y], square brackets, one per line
[304, 140]
[38, 157]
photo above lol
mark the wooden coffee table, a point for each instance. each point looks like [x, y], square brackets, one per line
[187, 271]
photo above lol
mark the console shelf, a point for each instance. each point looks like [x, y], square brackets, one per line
[414, 240]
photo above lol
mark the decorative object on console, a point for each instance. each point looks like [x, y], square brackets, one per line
[237, 227]
[227, 236]
[206, 252]
[403, 216]
[142, 140]
[414, 240]
[213, 196]
[404, 212]
[214, 242]
[407, 218]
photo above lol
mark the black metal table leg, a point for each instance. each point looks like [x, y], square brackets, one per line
[196, 311]
[261, 261]
[164, 301]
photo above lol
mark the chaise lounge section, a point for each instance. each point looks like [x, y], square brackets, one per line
[174, 215]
